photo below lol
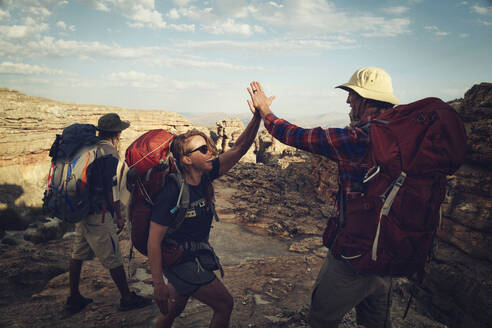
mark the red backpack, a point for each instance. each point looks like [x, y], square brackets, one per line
[389, 229]
[150, 164]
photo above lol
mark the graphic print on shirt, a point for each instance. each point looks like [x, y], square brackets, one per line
[196, 208]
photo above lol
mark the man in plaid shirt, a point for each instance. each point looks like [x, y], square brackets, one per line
[339, 287]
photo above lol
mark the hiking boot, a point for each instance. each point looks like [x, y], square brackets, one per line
[135, 302]
[76, 303]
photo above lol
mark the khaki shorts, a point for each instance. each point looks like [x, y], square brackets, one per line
[339, 288]
[94, 237]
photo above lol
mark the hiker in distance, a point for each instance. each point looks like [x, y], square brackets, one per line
[193, 274]
[97, 233]
[339, 287]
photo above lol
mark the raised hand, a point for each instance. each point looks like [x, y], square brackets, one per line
[259, 102]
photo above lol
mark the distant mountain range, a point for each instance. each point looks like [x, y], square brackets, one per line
[334, 119]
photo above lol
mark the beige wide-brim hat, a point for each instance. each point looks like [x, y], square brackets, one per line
[372, 83]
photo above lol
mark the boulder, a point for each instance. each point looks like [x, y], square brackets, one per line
[40, 232]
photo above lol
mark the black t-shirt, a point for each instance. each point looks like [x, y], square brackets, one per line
[198, 218]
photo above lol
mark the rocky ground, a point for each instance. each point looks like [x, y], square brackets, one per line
[268, 240]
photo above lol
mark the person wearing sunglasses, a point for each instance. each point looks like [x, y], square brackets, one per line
[193, 274]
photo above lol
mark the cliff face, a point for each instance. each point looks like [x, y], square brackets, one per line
[458, 288]
[28, 126]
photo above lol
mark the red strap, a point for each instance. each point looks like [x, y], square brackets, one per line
[50, 176]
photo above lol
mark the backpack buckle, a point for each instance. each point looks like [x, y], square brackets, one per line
[371, 173]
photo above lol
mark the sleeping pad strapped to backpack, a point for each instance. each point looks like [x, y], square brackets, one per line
[68, 195]
[389, 228]
[150, 165]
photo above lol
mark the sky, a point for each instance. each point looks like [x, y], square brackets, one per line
[199, 56]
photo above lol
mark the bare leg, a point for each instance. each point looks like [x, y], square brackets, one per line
[176, 305]
[119, 278]
[75, 267]
[216, 295]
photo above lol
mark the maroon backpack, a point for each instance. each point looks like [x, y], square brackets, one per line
[389, 229]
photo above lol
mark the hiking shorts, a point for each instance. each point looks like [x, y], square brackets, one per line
[94, 236]
[187, 277]
[339, 288]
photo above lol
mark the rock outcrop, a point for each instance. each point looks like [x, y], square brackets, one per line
[28, 126]
[458, 289]
[228, 131]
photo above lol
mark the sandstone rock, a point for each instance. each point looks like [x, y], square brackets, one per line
[476, 111]
[28, 126]
[477, 103]
[458, 289]
[228, 131]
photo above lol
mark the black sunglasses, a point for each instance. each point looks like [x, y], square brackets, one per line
[202, 149]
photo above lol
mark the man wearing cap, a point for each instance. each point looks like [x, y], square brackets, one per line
[339, 287]
[97, 233]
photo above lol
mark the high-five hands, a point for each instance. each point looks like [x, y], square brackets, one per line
[259, 102]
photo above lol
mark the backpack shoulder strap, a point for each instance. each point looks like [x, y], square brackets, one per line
[182, 203]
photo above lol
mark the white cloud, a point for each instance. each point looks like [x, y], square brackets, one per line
[274, 4]
[173, 14]
[485, 11]
[4, 14]
[22, 31]
[244, 12]
[182, 2]
[183, 27]
[62, 25]
[96, 4]
[196, 13]
[431, 28]
[141, 13]
[26, 69]
[39, 11]
[49, 47]
[155, 81]
[486, 23]
[202, 64]
[229, 26]
[135, 76]
[436, 30]
[380, 27]
[319, 17]
[464, 35]
[304, 46]
[258, 29]
[398, 10]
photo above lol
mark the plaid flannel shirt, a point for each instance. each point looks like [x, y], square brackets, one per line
[346, 146]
